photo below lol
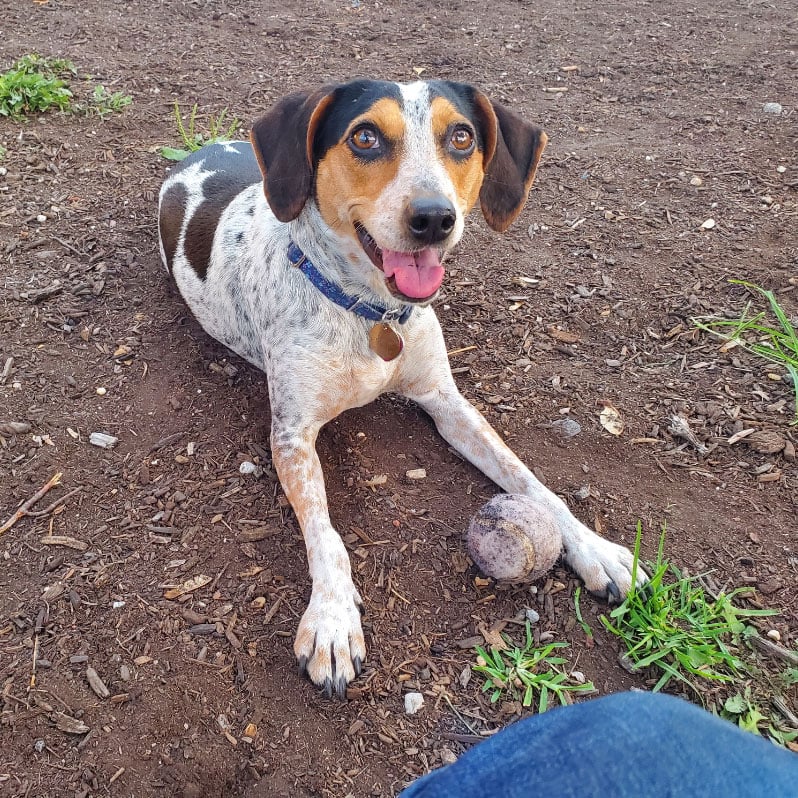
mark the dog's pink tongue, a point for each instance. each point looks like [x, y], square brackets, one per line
[417, 274]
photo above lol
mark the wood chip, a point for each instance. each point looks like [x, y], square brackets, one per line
[68, 724]
[64, 540]
[738, 436]
[189, 586]
[96, 683]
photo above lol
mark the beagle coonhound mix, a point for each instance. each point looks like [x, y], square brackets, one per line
[315, 252]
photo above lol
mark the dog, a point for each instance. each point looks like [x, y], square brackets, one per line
[314, 251]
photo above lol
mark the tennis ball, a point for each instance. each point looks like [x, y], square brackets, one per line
[513, 538]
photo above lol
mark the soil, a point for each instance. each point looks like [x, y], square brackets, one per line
[656, 120]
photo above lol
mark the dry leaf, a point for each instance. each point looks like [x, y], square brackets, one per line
[190, 585]
[611, 420]
[492, 637]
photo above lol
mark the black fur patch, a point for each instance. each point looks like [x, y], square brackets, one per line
[232, 172]
[350, 101]
[170, 220]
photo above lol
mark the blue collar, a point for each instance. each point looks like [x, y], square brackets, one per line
[368, 310]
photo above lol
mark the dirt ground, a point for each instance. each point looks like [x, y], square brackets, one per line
[656, 121]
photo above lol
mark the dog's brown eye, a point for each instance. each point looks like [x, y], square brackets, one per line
[462, 139]
[365, 138]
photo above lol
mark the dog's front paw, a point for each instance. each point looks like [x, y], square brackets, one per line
[605, 567]
[329, 642]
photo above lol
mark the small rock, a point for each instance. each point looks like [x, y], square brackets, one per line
[103, 440]
[766, 441]
[696, 181]
[533, 616]
[448, 757]
[774, 634]
[39, 746]
[772, 108]
[124, 673]
[413, 702]
[416, 473]
[247, 467]
[567, 427]
[101, 391]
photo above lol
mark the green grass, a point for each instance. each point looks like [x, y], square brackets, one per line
[767, 333]
[672, 625]
[578, 610]
[220, 128]
[741, 709]
[35, 84]
[524, 673]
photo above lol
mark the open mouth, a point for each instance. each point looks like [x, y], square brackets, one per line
[412, 275]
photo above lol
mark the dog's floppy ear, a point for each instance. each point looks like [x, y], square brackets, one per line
[283, 144]
[512, 150]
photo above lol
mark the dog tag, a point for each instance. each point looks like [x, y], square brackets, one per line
[385, 341]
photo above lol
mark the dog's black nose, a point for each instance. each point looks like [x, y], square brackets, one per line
[430, 219]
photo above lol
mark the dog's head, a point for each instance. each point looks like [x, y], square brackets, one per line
[394, 169]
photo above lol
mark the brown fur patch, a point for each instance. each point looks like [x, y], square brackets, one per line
[344, 183]
[465, 173]
[170, 221]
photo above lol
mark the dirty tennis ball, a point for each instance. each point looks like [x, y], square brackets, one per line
[513, 538]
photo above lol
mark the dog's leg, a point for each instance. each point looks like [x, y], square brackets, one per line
[329, 643]
[605, 567]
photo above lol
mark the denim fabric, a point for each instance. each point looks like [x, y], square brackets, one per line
[627, 745]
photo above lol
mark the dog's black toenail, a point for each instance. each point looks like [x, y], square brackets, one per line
[303, 666]
[358, 665]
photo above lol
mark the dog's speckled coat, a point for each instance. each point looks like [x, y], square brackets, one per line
[364, 155]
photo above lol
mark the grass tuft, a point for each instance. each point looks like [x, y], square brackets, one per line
[767, 333]
[673, 626]
[35, 84]
[523, 673]
[220, 128]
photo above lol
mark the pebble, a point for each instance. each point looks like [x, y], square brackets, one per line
[772, 108]
[42, 218]
[448, 756]
[774, 634]
[781, 169]
[39, 746]
[413, 702]
[102, 440]
[101, 391]
[533, 616]
[567, 427]
[247, 467]
[696, 181]
[124, 673]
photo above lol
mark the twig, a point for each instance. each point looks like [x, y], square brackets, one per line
[32, 682]
[23, 510]
[165, 441]
[56, 503]
[763, 644]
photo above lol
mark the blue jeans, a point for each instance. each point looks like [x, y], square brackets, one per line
[627, 745]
